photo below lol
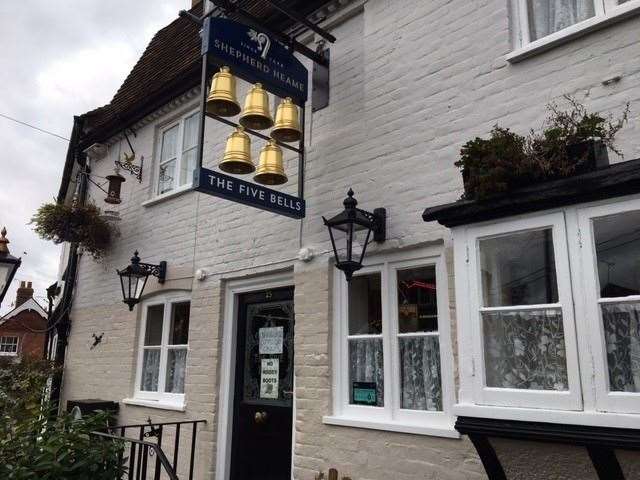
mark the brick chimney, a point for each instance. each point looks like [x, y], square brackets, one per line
[24, 293]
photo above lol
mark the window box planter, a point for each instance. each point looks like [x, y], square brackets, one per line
[589, 155]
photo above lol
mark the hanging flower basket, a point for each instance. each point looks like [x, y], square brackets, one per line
[572, 142]
[83, 225]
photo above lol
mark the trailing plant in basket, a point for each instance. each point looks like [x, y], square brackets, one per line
[80, 224]
[565, 146]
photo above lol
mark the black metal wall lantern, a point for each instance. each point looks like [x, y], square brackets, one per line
[134, 277]
[8, 264]
[114, 188]
[350, 232]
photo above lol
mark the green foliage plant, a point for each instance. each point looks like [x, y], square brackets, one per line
[506, 160]
[80, 224]
[36, 444]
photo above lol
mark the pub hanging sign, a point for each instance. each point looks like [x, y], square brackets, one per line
[232, 188]
[255, 57]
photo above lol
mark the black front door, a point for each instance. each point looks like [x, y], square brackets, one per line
[263, 401]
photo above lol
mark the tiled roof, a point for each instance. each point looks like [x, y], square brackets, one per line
[169, 66]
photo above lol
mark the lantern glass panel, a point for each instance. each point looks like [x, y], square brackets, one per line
[5, 272]
[350, 242]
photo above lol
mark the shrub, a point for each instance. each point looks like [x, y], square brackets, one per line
[507, 160]
[35, 444]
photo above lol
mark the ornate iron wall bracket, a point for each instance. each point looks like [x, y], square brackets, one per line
[132, 168]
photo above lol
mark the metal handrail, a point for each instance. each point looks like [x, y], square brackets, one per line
[144, 445]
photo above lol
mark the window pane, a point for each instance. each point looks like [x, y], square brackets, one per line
[187, 166]
[176, 366]
[622, 337]
[365, 305]
[8, 344]
[366, 366]
[166, 176]
[518, 269]
[179, 332]
[153, 335]
[617, 241]
[525, 349]
[548, 16]
[420, 373]
[417, 305]
[150, 370]
[169, 144]
[190, 132]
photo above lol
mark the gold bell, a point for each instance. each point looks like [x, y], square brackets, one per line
[222, 97]
[237, 154]
[287, 126]
[256, 115]
[270, 168]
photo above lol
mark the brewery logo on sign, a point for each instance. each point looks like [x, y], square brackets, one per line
[255, 57]
[263, 41]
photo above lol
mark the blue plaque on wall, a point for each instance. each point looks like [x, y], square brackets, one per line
[255, 57]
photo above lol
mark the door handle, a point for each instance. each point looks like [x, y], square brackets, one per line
[260, 417]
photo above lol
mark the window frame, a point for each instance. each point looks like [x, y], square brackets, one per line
[4, 342]
[599, 407]
[570, 399]
[605, 400]
[606, 12]
[167, 301]
[391, 416]
[180, 122]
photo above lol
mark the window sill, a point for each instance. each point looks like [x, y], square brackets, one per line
[159, 404]
[593, 419]
[618, 14]
[435, 431]
[166, 196]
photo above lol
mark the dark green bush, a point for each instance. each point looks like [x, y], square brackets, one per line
[506, 160]
[36, 444]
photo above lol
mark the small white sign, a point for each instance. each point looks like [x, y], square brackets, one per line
[269, 376]
[271, 340]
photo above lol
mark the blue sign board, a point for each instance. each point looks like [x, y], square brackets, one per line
[231, 188]
[256, 57]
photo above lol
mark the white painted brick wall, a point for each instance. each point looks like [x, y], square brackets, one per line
[411, 82]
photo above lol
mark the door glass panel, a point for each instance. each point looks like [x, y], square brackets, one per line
[518, 269]
[617, 243]
[417, 303]
[268, 363]
[365, 305]
[179, 332]
[153, 335]
[525, 349]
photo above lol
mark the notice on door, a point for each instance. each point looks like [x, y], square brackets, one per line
[271, 340]
[269, 376]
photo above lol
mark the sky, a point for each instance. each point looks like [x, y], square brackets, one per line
[57, 59]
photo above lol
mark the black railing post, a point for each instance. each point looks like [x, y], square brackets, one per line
[193, 449]
[132, 460]
[157, 474]
[176, 445]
